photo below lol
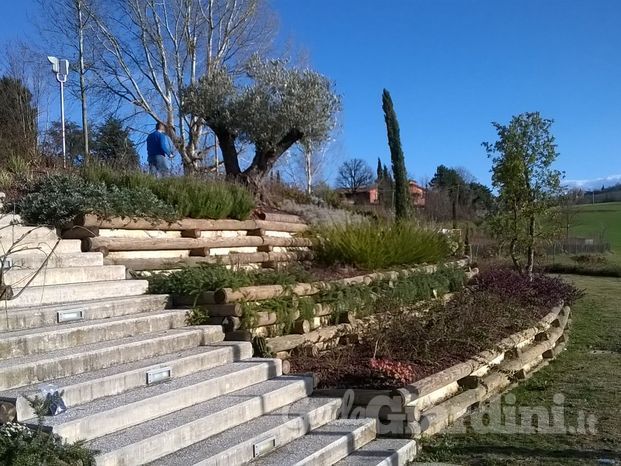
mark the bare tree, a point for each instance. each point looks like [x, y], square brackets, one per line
[354, 174]
[153, 49]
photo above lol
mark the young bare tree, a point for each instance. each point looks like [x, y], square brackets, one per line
[153, 49]
[354, 174]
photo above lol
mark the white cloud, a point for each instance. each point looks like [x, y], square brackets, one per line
[594, 183]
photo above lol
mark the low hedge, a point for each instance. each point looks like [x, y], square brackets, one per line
[58, 198]
[190, 196]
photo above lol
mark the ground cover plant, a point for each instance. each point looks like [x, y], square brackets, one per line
[192, 197]
[379, 245]
[191, 281]
[359, 299]
[404, 344]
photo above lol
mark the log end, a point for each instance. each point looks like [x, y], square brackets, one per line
[220, 296]
[8, 412]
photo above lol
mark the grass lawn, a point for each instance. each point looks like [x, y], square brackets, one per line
[587, 373]
[592, 219]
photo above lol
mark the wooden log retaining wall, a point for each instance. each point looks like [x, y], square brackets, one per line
[225, 303]
[433, 403]
[141, 244]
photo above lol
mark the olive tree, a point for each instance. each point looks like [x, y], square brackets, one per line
[272, 108]
[527, 185]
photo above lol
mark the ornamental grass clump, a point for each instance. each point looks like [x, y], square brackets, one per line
[379, 245]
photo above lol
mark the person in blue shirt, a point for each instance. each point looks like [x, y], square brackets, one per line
[159, 149]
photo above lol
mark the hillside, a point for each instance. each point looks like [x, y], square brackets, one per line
[594, 219]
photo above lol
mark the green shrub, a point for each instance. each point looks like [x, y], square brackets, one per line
[191, 281]
[190, 196]
[194, 280]
[363, 300]
[595, 270]
[379, 245]
[57, 199]
[24, 446]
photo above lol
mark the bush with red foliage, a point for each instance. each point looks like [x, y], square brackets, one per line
[540, 291]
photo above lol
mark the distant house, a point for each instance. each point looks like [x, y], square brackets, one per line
[371, 195]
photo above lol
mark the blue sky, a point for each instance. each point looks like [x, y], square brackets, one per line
[453, 67]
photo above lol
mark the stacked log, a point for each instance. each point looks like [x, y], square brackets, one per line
[258, 293]
[267, 240]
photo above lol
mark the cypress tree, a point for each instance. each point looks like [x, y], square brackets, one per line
[380, 173]
[402, 192]
[386, 174]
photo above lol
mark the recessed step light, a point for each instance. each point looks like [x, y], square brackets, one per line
[263, 447]
[70, 315]
[158, 375]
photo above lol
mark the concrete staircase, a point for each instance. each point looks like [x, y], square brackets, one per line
[142, 388]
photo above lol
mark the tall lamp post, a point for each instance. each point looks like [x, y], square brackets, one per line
[61, 69]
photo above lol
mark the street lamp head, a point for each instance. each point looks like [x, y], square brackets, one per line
[55, 62]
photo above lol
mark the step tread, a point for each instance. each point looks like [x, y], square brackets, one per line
[123, 400]
[184, 416]
[382, 452]
[16, 277]
[62, 328]
[321, 438]
[252, 432]
[85, 285]
[145, 364]
[74, 351]
[89, 302]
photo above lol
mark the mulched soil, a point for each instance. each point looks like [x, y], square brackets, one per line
[349, 367]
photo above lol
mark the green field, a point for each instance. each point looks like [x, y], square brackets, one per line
[586, 374]
[594, 219]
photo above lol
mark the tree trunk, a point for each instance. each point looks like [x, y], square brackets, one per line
[226, 141]
[514, 256]
[530, 261]
[82, 72]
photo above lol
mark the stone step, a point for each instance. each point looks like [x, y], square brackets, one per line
[46, 339]
[28, 370]
[42, 316]
[112, 414]
[241, 444]
[16, 232]
[71, 292]
[34, 259]
[325, 445]
[383, 452]
[84, 388]
[40, 246]
[162, 436]
[6, 219]
[63, 275]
